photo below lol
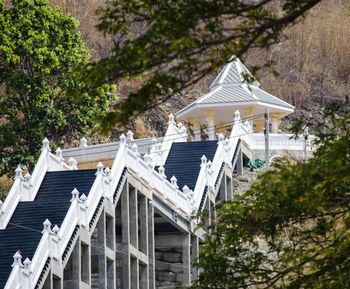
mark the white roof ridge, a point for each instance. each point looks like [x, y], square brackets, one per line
[226, 70]
[205, 96]
[246, 87]
[288, 104]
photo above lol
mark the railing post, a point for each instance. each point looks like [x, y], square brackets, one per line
[17, 264]
[161, 171]
[27, 274]
[59, 155]
[106, 183]
[83, 210]
[73, 163]
[47, 231]
[19, 177]
[56, 239]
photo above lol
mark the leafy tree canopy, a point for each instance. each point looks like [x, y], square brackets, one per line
[183, 41]
[292, 228]
[39, 49]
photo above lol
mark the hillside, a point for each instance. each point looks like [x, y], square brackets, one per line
[312, 59]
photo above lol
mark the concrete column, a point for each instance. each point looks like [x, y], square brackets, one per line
[211, 123]
[151, 261]
[222, 190]
[186, 260]
[143, 240]
[194, 256]
[143, 221]
[125, 238]
[239, 163]
[229, 192]
[135, 278]
[133, 219]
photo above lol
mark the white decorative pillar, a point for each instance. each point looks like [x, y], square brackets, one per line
[275, 121]
[83, 142]
[27, 274]
[211, 123]
[237, 118]
[73, 163]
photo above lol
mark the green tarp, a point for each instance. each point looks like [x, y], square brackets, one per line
[256, 164]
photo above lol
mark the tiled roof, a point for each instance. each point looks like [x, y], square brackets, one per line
[52, 202]
[227, 95]
[184, 161]
[232, 73]
[232, 94]
[269, 98]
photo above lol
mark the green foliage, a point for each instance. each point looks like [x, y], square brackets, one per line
[39, 51]
[183, 41]
[292, 228]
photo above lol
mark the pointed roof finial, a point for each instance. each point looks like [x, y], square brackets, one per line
[19, 173]
[47, 226]
[237, 117]
[59, 153]
[130, 135]
[203, 160]
[99, 169]
[173, 181]
[83, 199]
[75, 195]
[46, 144]
[134, 148]
[186, 189]
[171, 119]
[56, 230]
[83, 142]
[17, 257]
[161, 171]
[27, 263]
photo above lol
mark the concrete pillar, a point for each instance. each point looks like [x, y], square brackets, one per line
[211, 123]
[143, 221]
[239, 163]
[143, 240]
[186, 260]
[151, 260]
[229, 191]
[194, 256]
[222, 191]
[125, 237]
[135, 278]
[133, 218]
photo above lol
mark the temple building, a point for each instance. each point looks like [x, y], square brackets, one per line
[126, 223]
[234, 89]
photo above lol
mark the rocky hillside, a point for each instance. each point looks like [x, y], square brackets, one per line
[312, 59]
